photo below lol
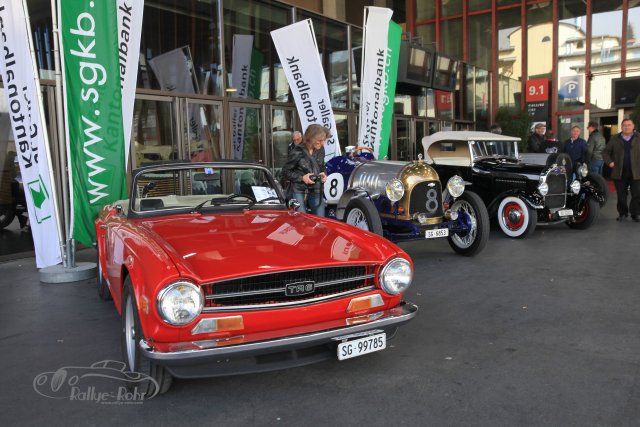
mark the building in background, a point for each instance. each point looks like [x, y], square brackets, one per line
[556, 57]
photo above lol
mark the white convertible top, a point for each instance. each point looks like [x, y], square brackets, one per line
[465, 135]
[461, 154]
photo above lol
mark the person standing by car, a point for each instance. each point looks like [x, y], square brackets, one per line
[305, 169]
[595, 147]
[296, 139]
[537, 139]
[622, 155]
[575, 147]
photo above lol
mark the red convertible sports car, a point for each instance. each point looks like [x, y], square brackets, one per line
[213, 274]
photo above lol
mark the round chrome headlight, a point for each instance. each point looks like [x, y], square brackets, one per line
[396, 276]
[543, 188]
[583, 170]
[575, 186]
[180, 303]
[455, 185]
[395, 190]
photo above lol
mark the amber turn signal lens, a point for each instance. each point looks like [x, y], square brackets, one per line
[232, 323]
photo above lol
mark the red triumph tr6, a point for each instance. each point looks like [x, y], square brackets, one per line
[213, 274]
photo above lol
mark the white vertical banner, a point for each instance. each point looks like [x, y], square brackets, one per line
[26, 111]
[129, 32]
[375, 93]
[298, 51]
[240, 67]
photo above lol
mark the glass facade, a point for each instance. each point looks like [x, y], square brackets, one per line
[334, 53]
[480, 36]
[251, 22]
[172, 30]
[633, 39]
[572, 48]
[451, 37]
[509, 70]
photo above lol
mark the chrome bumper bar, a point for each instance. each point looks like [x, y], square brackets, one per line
[390, 318]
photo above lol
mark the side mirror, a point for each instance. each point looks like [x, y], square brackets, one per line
[293, 204]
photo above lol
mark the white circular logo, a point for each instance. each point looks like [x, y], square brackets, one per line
[333, 187]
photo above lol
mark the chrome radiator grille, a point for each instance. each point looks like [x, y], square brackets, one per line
[557, 195]
[426, 197]
[289, 287]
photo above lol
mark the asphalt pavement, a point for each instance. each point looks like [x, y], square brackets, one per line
[536, 332]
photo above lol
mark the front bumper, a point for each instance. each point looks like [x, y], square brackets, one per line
[265, 355]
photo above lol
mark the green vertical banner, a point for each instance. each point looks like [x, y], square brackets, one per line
[380, 54]
[391, 69]
[252, 124]
[93, 110]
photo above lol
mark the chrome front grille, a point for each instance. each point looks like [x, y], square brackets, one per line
[557, 196]
[426, 197]
[288, 287]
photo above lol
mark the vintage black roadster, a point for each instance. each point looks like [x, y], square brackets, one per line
[405, 201]
[519, 194]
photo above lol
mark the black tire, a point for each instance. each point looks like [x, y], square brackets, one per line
[7, 214]
[475, 241]
[363, 214]
[158, 379]
[101, 283]
[515, 218]
[586, 216]
[601, 184]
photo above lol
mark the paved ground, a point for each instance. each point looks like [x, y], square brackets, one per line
[543, 331]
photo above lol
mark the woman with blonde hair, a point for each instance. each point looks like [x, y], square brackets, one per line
[305, 170]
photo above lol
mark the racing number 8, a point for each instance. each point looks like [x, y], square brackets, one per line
[333, 188]
[432, 200]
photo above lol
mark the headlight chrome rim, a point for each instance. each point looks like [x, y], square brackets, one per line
[543, 188]
[394, 190]
[170, 314]
[575, 186]
[455, 186]
[396, 276]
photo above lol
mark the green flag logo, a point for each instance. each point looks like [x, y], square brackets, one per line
[40, 196]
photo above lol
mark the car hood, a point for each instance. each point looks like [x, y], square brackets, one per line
[508, 166]
[217, 246]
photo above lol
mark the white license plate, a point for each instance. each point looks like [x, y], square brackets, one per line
[354, 348]
[438, 232]
[565, 212]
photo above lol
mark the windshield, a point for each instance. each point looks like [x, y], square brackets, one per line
[197, 189]
[494, 148]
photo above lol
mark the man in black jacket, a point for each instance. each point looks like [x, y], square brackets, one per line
[622, 155]
[537, 139]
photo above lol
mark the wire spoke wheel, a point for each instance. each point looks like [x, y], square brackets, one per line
[358, 219]
[463, 207]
